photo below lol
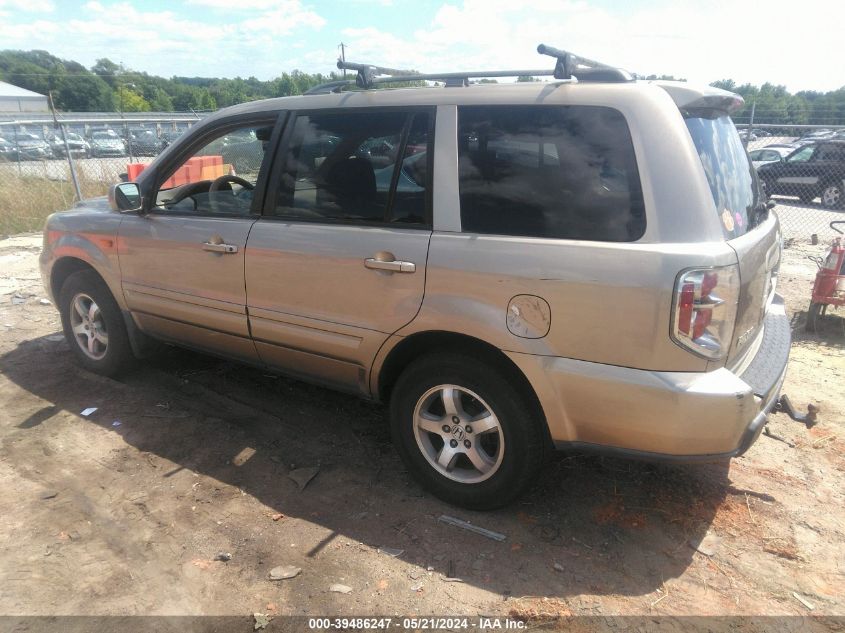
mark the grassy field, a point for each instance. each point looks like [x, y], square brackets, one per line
[26, 201]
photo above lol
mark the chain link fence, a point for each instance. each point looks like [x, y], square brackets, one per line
[803, 171]
[47, 167]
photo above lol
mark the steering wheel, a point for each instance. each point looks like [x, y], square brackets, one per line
[186, 191]
[222, 180]
[218, 183]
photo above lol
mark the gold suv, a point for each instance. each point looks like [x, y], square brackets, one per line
[586, 262]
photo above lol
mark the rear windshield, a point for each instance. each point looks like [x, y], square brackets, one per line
[732, 179]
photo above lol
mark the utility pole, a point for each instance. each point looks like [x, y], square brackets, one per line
[343, 56]
[751, 123]
[67, 149]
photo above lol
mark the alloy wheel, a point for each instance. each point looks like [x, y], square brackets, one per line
[458, 434]
[831, 196]
[88, 326]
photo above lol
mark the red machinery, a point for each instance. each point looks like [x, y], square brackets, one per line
[829, 289]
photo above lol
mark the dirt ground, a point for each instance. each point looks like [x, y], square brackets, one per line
[123, 511]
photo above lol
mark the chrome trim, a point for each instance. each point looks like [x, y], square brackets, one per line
[219, 248]
[390, 266]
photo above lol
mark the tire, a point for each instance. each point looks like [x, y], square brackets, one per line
[103, 346]
[510, 454]
[831, 195]
[813, 316]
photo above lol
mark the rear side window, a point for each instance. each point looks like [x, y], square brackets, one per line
[566, 172]
[732, 178]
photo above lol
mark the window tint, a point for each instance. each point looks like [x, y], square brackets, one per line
[220, 177]
[732, 178]
[357, 167]
[549, 171]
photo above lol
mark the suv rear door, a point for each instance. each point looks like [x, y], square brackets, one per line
[746, 224]
[337, 262]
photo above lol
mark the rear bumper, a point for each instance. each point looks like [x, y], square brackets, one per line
[672, 416]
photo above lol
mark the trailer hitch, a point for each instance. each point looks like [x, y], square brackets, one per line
[808, 419]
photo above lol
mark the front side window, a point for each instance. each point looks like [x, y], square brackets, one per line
[357, 167]
[219, 178]
[802, 155]
[566, 172]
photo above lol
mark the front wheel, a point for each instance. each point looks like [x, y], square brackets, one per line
[93, 324]
[464, 432]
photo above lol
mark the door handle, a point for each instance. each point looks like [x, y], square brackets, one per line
[219, 248]
[391, 265]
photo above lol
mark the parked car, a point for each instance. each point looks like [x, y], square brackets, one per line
[167, 138]
[77, 145]
[7, 150]
[524, 280]
[106, 143]
[143, 143]
[769, 154]
[32, 147]
[814, 170]
[813, 137]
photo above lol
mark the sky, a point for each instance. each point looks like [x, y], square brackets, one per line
[797, 44]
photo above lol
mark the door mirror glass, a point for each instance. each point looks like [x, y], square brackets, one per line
[125, 196]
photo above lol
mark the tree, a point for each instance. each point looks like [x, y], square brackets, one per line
[131, 101]
[107, 70]
[106, 84]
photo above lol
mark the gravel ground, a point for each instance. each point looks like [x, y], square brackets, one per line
[123, 511]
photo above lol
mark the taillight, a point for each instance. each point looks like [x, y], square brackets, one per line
[705, 303]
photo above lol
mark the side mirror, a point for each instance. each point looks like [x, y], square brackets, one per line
[125, 196]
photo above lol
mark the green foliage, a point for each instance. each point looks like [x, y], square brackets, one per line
[107, 87]
[773, 104]
[131, 101]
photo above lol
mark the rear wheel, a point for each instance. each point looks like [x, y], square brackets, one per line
[832, 196]
[464, 432]
[93, 324]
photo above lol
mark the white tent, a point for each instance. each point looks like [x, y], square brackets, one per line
[16, 99]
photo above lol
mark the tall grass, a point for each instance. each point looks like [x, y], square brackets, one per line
[27, 200]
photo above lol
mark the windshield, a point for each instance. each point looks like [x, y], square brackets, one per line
[732, 179]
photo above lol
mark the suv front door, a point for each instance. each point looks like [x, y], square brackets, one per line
[336, 264]
[182, 262]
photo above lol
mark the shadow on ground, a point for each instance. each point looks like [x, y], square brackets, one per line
[614, 526]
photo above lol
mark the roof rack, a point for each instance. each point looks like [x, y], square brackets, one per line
[568, 65]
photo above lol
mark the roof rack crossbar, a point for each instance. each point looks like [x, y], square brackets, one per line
[569, 64]
[369, 76]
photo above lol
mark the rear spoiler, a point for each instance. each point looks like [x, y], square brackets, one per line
[706, 99]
